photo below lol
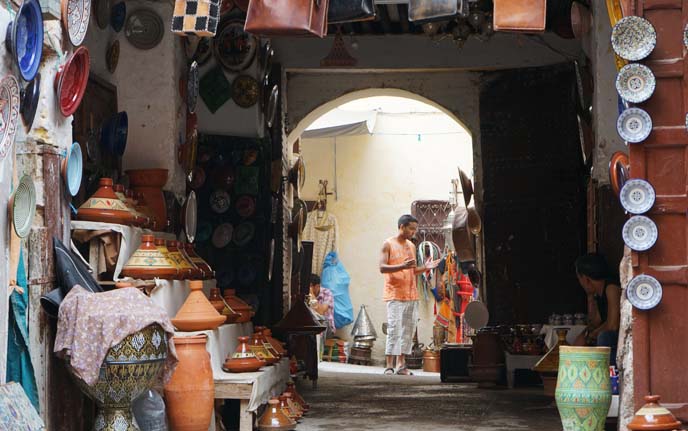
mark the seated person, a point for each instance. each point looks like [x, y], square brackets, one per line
[604, 302]
[322, 302]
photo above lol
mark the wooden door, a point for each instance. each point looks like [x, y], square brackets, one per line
[660, 345]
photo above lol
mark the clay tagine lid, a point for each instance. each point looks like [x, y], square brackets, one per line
[653, 417]
[148, 262]
[197, 314]
[274, 419]
[243, 360]
[104, 206]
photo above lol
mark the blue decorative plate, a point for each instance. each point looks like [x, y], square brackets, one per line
[644, 292]
[114, 133]
[72, 169]
[637, 196]
[634, 125]
[633, 38]
[640, 233]
[25, 38]
[635, 82]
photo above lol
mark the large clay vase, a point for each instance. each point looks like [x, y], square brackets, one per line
[186, 270]
[190, 394]
[148, 262]
[583, 392]
[197, 314]
[548, 366]
[104, 206]
[653, 417]
[150, 183]
[199, 261]
[221, 306]
[239, 306]
[274, 420]
[243, 360]
[129, 369]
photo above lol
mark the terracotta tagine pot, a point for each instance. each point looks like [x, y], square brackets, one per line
[104, 206]
[197, 314]
[221, 306]
[161, 245]
[243, 360]
[189, 396]
[293, 404]
[258, 348]
[584, 392]
[148, 262]
[274, 342]
[652, 416]
[239, 306]
[258, 333]
[150, 183]
[198, 260]
[291, 387]
[186, 271]
[137, 219]
[287, 409]
[134, 204]
[143, 208]
[548, 366]
[274, 420]
[196, 273]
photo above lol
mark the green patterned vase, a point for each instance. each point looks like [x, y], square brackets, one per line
[129, 369]
[583, 393]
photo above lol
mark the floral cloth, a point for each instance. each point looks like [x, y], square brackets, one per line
[90, 323]
[16, 411]
[325, 297]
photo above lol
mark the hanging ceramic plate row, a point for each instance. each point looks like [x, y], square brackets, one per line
[644, 292]
[633, 38]
[144, 29]
[72, 169]
[190, 216]
[29, 101]
[24, 38]
[71, 81]
[635, 83]
[22, 206]
[9, 113]
[192, 85]
[234, 48]
[75, 17]
[101, 10]
[634, 125]
[637, 196]
[619, 166]
[640, 233]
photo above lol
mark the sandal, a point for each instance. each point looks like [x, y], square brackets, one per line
[391, 371]
[403, 371]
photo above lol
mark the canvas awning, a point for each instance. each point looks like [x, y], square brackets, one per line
[341, 123]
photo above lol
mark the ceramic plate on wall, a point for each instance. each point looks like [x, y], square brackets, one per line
[243, 234]
[219, 201]
[619, 166]
[144, 29]
[72, 169]
[72, 79]
[637, 196]
[101, 10]
[245, 91]
[476, 315]
[635, 82]
[634, 125]
[644, 292]
[75, 17]
[9, 113]
[192, 84]
[639, 233]
[29, 101]
[24, 38]
[23, 206]
[112, 56]
[633, 38]
[118, 15]
[223, 235]
[234, 48]
[190, 216]
[271, 108]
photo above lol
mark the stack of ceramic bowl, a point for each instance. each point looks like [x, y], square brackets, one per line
[633, 39]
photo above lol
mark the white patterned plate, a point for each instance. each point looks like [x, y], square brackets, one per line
[75, 17]
[637, 196]
[635, 83]
[9, 113]
[633, 38]
[644, 292]
[634, 125]
[640, 233]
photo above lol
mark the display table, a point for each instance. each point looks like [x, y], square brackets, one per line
[518, 362]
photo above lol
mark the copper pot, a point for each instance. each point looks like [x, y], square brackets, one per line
[431, 361]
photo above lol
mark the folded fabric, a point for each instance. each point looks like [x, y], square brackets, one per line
[89, 324]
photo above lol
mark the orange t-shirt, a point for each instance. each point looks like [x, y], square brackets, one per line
[400, 285]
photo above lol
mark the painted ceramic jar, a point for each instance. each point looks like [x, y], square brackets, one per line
[189, 396]
[104, 206]
[148, 262]
[274, 420]
[243, 360]
[583, 393]
[197, 314]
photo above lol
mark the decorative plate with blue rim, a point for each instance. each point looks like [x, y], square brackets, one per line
[76, 15]
[637, 196]
[25, 38]
[73, 169]
[644, 292]
[635, 82]
[633, 38]
[634, 125]
[639, 233]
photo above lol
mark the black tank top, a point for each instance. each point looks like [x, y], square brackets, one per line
[602, 302]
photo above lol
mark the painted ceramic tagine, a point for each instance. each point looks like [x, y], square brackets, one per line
[198, 260]
[260, 350]
[243, 360]
[259, 337]
[138, 218]
[274, 419]
[161, 245]
[291, 387]
[197, 314]
[148, 262]
[104, 206]
[239, 306]
[653, 416]
[186, 270]
[222, 307]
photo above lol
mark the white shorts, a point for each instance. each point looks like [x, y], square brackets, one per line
[401, 325]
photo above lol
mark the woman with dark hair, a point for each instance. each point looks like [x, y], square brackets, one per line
[604, 302]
